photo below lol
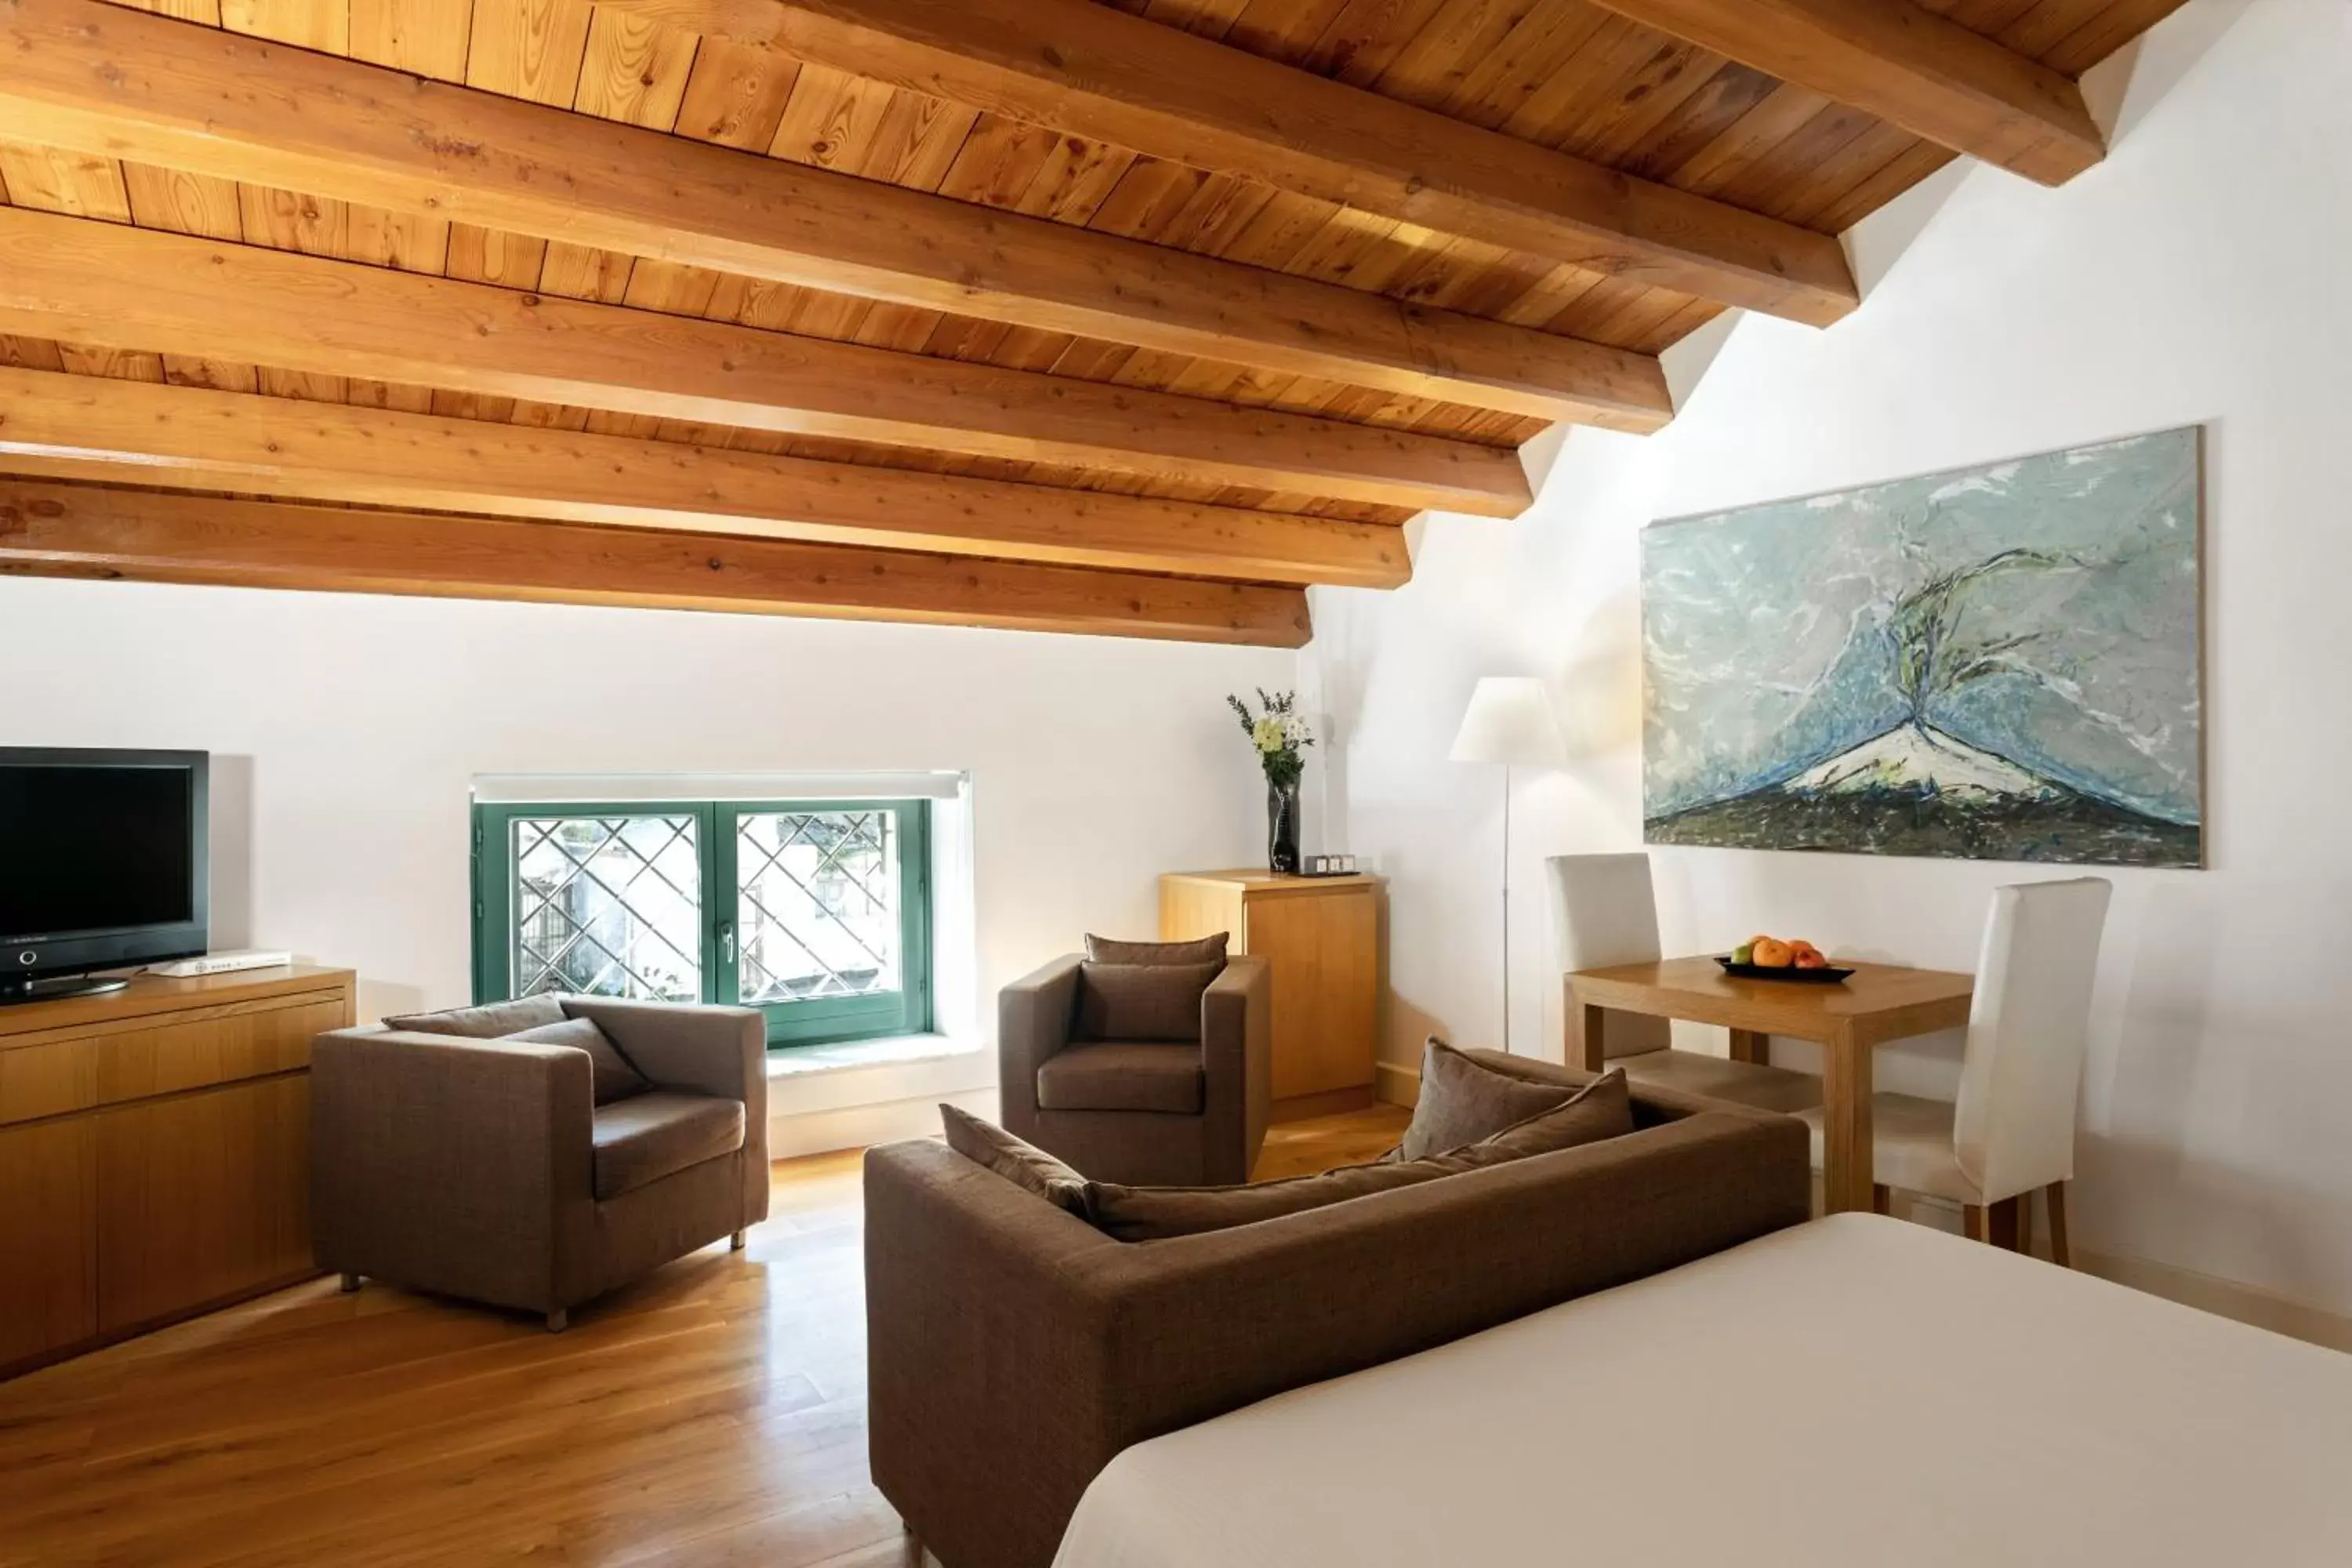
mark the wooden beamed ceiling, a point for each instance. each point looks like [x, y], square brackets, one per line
[128, 290]
[1133, 316]
[107, 532]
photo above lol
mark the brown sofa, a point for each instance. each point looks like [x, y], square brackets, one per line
[482, 1168]
[1140, 1113]
[1013, 1350]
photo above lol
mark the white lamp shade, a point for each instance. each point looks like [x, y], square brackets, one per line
[1510, 720]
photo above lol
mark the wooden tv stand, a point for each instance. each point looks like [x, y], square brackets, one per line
[155, 1152]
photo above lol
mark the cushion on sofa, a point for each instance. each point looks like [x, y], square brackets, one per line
[1603, 1110]
[1201, 950]
[1123, 1074]
[1462, 1101]
[640, 1140]
[1023, 1163]
[616, 1077]
[487, 1022]
[1141, 1001]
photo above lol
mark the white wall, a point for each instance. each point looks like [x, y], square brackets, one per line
[2199, 276]
[346, 729]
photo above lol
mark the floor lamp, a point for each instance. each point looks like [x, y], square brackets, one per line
[1509, 721]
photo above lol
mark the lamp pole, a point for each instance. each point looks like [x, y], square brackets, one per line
[1507, 910]
[1509, 721]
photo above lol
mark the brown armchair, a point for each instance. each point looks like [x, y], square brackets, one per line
[481, 1167]
[1144, 1113]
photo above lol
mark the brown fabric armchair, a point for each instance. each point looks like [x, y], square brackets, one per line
[483, 1168]
[1152, 1113]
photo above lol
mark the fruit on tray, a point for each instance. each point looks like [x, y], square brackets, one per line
[1764, 952]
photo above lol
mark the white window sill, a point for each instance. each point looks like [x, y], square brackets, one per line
[847, 1056]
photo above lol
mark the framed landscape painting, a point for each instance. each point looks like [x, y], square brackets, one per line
[1999, 663]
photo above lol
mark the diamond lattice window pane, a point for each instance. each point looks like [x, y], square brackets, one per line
[608, 906]
[817, 910]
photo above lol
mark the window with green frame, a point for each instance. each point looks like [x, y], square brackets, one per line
[816, 912]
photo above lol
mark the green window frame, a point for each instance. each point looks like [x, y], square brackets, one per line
[728, 925]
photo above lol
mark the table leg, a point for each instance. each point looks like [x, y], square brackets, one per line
[1845, 1126]
[1751, 1045]
[1586, 1027]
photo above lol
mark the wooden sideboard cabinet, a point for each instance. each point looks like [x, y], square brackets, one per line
[155, 1152]
[1322, 936]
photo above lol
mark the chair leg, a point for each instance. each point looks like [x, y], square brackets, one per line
[735, 1242]
[1881, 1198]
[1973, 1221]
[910, 1548]
[2000, 1223]
[2025, 1202]
[2061, 1250]
[349, 1283]
[558, 1321]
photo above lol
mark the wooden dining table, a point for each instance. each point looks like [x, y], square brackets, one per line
[1849, 1020]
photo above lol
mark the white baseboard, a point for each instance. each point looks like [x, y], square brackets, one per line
[2206, 1292]
[1394, 1085]
[862, 1126]
[2222, 1298]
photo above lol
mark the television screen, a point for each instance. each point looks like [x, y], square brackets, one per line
[92, 847]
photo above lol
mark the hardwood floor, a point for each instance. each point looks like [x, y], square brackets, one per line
[713, 1413]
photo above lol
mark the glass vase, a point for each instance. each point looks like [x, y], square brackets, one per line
[1282, 827]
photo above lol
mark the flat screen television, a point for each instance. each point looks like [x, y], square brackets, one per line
[103, 863]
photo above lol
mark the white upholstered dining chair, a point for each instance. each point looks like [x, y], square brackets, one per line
[2011, 1131]
[1605, 912]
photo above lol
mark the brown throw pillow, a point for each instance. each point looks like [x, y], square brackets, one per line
[1024, 1164]
[1462, 1102]
[487, 1022]
[1142, 1001]
[616, 1077]
[1602, 1109]
[1106, 950]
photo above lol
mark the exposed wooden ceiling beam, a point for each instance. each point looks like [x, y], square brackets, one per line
[81, 426]
[96, 78]
[111, 285]
[1090, 70]
[1905, 64]
[83, 530]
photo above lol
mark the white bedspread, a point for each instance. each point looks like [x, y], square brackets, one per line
[1857, 1393]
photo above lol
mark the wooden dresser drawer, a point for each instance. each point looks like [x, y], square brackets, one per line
[137, 1059]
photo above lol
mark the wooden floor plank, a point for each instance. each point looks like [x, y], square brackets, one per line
[713, 1413]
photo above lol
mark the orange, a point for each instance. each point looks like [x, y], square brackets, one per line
[1801, 947]
[1772, 955]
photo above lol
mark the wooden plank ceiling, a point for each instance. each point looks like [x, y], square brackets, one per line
[1134, 317]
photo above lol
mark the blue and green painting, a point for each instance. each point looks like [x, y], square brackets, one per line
[1995, 664]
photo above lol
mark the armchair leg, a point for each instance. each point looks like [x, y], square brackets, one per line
[349, 1283]
[558, 1321]
[735, 1242]
[2061, 1251]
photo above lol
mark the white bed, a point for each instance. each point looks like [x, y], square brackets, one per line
[1857, 1393]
